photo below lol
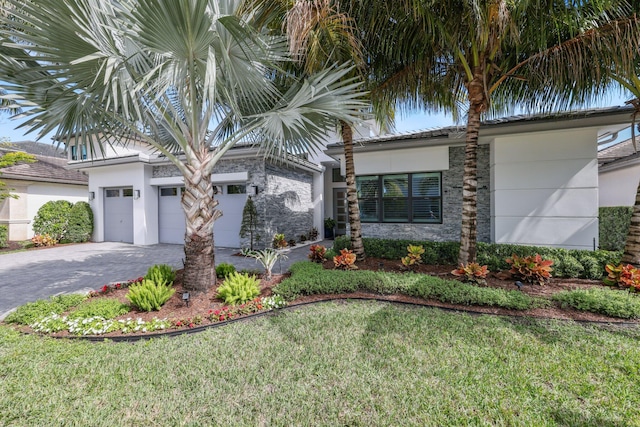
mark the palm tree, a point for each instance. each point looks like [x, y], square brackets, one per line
[190, 78]
[489, 55]
[322, 33]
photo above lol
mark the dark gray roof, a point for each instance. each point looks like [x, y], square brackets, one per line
[546, 117]
[618, 151]
[45, 169]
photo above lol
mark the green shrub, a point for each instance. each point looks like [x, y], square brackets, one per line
[161, 274]
[106, 308]
[239, 288]
[149, 295]
[53, 219]
[615, 303]
[224, 269]
[80, 223]
[34, 311]
[614, 225]
[4, 235]
[330, 253]
[308, 279]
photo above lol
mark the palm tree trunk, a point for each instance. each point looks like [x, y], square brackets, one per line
[352, 194]
[468, 231]
[200, 213]
[632, 245]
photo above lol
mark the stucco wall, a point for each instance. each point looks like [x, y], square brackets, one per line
[618, 187]
[19, 213]
[545, 189]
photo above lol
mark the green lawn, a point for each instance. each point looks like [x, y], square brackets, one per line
[362, 363]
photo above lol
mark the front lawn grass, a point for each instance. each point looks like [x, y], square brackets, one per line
[361, 363]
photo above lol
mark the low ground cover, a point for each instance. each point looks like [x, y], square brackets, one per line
[360, 363]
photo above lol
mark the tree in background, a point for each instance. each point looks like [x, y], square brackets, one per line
[10, 159]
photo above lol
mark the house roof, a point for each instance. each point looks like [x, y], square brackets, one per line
[45, 169]
[33, 147]
[618, 151]
[494, 125]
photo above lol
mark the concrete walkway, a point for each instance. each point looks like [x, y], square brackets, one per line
[32, 275]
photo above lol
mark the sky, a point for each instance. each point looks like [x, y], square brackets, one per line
[407, 123]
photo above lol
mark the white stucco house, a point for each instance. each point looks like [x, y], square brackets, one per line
[619, 173]
[537, 184]
[35, 184]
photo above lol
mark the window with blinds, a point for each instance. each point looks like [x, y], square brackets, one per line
[408, 197]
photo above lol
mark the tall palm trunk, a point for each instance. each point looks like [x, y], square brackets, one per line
[632, 245]
[200, 213]
[352, 194]
[468, 231]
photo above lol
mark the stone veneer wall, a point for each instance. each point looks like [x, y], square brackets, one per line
[289, 201]
[449, 230]
[284, 202]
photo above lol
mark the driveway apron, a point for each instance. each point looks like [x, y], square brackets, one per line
[31, 275]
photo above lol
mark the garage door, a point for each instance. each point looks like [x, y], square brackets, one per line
[232, 198]
[118, 215]
[171, 221]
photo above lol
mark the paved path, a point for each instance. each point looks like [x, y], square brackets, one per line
[32, 275]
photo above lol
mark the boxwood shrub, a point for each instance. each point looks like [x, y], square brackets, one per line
[53, 219]
[80, 223]
[614, 303]
[614, 226]
[4, 235]
[567, 262]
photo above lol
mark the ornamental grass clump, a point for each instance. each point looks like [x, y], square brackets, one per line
[239, 288]
[149, 295]
[531, 269]
[472, 273]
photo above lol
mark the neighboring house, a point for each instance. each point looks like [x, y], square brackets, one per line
[537, 185]
[35, 184]
[619, 173]
[537, 180]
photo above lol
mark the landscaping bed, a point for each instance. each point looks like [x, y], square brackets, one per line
[374, 278]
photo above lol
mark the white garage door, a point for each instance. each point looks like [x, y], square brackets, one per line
[118, 215]
[171, 221]
[232, 198]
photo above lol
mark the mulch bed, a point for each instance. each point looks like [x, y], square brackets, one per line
[201, 303]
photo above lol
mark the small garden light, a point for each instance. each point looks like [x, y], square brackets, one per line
[185, 298]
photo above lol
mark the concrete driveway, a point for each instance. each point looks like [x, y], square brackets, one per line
[37, 274]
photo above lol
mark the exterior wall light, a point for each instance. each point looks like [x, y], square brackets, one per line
[92, 195]
[136, 194]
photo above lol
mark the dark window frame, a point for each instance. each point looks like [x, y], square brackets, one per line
[409, 199]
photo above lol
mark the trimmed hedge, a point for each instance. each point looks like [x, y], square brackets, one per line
[53, 219]
[80, 223]
[615, 303]
[309, 278]
[566, 262]
[614, 227]
[4, 235]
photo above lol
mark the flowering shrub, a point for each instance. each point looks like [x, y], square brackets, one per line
[97, 325]
[229, 312]
[532, 269]
[42, 240]
[414, 256]
[317, 253]
[190, 322]
[473, 273]
[275, 301]
[114, 287]
[346, 260]
[623, 276]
